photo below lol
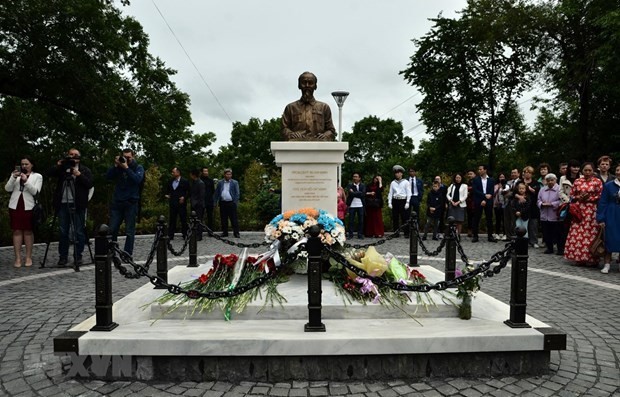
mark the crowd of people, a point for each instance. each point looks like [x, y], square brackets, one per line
[74, 188]
[563, 214]
[570, 208]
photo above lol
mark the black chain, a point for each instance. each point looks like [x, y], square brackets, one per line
[232, 243]
[190, 231]
[151, 256]
[461, 251]
[394, 235]
[175, 289]
[483, 268]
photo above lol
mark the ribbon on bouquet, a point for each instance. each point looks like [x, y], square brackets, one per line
[295, 246]
[368, 286]
[237, 270]
[272, 252]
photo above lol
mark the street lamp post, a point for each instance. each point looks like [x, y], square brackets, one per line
[340, 97]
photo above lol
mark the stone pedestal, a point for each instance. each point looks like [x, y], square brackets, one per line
[309, 173]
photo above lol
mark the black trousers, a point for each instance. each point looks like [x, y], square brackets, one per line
[399, 213]
[200, 213]
[228, 210]
[552, 234]
[209, 216]
[177, 210]
[488, 212]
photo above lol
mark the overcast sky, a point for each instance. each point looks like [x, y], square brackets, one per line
[250, 53]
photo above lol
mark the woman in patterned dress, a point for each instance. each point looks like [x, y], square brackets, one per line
[586, 193]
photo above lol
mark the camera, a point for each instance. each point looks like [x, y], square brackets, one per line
[122, 159]
[68, 163]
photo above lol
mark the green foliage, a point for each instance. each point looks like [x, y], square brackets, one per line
[472, 69]
[250, 142]
[375, 146]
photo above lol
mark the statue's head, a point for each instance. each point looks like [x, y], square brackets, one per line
[307, 84]
[307, 78]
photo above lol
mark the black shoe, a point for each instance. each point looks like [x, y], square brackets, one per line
[474, 239]
[560, 253]
[396, 235]
[435, 238]
[224, 235]
[492, 239]
[424, 237]
[78, 261]
[62, 262]
[548, 252]
[360, 237]
[237, 235]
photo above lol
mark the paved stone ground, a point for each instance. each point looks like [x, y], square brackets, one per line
[38, 304]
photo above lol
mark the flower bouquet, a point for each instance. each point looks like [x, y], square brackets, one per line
[227, 272]
[385, 269]
[466, 290]
[289, 228]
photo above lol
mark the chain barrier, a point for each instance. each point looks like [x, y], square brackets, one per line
[441, 246]
[151, 256]
[484, 269]
[190, 230]
[394, 235]
[211, 233]
[461, 251]
[140, 271]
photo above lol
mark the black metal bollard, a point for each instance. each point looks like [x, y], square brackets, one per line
[103, 282]
[518, 282]
[162, 251]
[413, 240]
[193, 242]
[450, 237]
[314, 247]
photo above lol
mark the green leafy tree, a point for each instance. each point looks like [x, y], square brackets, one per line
[249, 143]
[582, 40]
[472, 69]
[375, 146]
[78, 73]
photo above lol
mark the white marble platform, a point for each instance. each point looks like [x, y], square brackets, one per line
[351, 333]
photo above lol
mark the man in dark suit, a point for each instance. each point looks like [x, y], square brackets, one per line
[197, 199]
[178, 192]
[70, 203]
[483, 188]
[356, 198]
[227, 195]
[209, 191]
[417, 191]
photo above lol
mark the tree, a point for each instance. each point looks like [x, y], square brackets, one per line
[249, 143]
[375, 146]
[471, 70]
[582, 40]
[78, 73]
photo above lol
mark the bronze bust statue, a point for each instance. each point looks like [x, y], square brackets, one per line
[307, 119]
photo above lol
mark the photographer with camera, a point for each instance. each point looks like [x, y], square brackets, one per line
[128, 175]
[70, 202]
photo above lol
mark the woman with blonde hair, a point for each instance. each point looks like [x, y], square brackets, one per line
[24, 185]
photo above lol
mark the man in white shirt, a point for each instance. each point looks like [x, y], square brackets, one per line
[398, 200]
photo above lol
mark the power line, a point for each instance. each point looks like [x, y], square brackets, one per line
[400, 104]
[192, 62]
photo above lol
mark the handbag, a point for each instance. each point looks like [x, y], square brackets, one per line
[563, 211]
[597, 247]
[373, 202]
[39, 215]
[575, 212]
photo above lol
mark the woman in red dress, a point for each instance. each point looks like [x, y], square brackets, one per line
[373, 221]
[585, 194]
[23, 184]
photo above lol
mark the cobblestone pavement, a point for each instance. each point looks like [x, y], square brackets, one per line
[38, 304]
